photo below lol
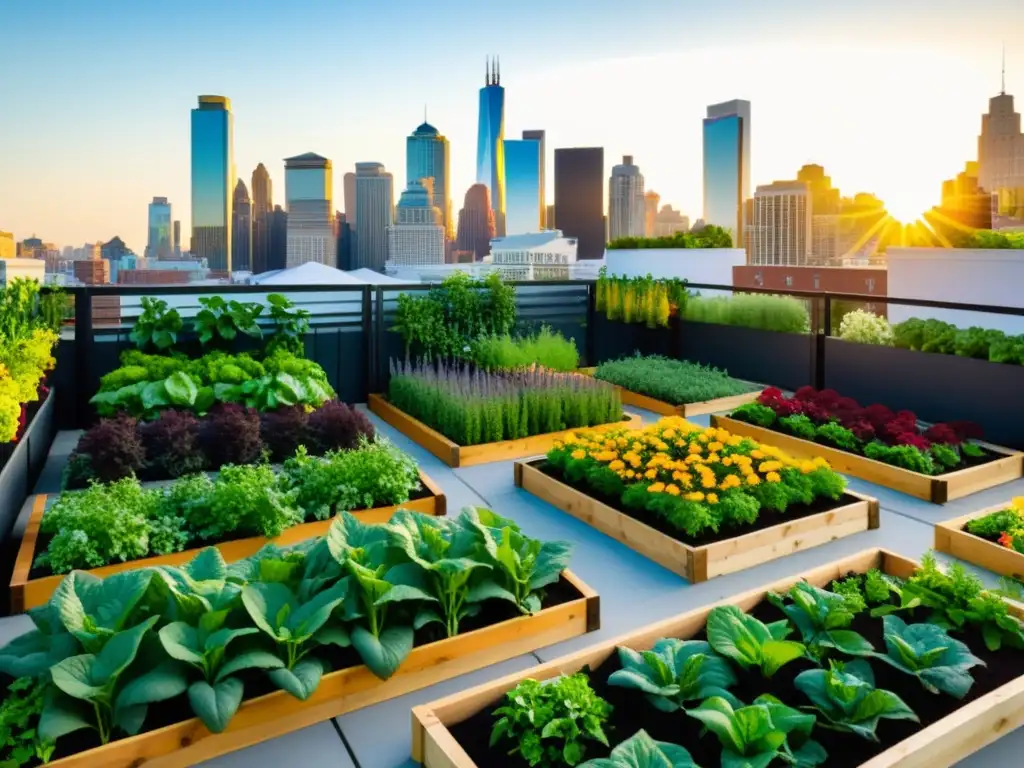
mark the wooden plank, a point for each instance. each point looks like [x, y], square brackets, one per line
[953, 540]
[944, 743]
[936, 489]
[470, 455]
[28, 593]
[187, 743]
[718, 405]
[698, 564]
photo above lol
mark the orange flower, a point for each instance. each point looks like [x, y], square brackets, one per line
[1006, 540]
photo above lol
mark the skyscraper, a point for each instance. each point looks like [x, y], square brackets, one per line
[824, 214]
[626, 205]
[1001, 155]
[177, 239]
[427, 157]
[727, 165]
[375, 210]
[476, 222]
[779, 230]
[538, 136]
[490, 144]
[308, 191]
[651, 200]
[262, 208]
[278, 239]
[350, 199]
[160, 242]
[417, 236]
[579, 198]
[213, 169]
[522, 186]
[241, 229]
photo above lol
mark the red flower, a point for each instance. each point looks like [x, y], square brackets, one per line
[909, 438]
[1006, 540]
[967, 430]
[770, 395]
[943, 433]
[827, 398]
[861, 429]
[806, 393]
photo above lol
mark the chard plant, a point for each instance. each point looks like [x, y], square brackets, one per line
[675, 672]
[846, 697]
[751, 643]
[822, 618]
[927, 652]
[641, 751]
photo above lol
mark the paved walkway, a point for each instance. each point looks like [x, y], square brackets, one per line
[634, 592]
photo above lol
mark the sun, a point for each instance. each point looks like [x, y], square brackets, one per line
[907, 203]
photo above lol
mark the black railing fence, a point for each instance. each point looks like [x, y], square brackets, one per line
[351, 336]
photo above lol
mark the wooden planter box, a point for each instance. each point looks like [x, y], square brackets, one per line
[455, 455]
[685, 410]
[28, 593]
[696, 564]
[275, 714]
[937, 489]
[953, 540]
[943, 743]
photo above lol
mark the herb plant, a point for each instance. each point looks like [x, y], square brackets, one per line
[770, 313]
[546, 348]
[672, 381]
[927, 651]
[641, 751]
[674, 673]
[19, 718]
[640, 299]
[291, 324]
[749, 642]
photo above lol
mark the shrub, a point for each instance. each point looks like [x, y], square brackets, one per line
[798, 425]
[905, 456]
[246, 501]
[770, 313]
[866, 328]
[337, 426]
[709, 237]
[114, 449]
[172, 443]
[673, 381]
[755, 413]
[284, 430]
[231, 435]
[547, 349]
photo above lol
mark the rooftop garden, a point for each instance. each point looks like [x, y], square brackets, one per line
[708, 237]
[676, 382]
[986, 238]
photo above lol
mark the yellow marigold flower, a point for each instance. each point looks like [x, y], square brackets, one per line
[607, 456]
[708, 482]
[650, 474]
[695, 449]
[703, 438]
[579, 453]
[769, 466]
[669, 433]
[711, 498]
[1018, 503]
[616, 465]
[727, 461]
[734, 440]
[807, 466]
[713, 458]
[558, 443]
[695, 496]
[773, 477]
[672, 490]
[630, 474]
[757, 453]
[656, 488]
[570, 437]
[715, 446]
[753, 479]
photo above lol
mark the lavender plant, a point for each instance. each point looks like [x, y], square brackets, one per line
[471, 407]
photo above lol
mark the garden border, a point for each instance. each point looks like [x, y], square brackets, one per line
[697, 564]
[25, 463]
[455, 455]
[938, 489]
[28, 593]
[945, 742]
[686, 410]
[275, 714]
[951, 538]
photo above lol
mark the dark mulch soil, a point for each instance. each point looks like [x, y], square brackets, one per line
[631, 712]
[766, 518]
[43, 541]
[257, 684]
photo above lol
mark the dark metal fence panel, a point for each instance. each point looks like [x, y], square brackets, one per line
[767, 357]
[614, 339]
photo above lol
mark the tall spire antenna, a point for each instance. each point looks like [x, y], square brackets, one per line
[497, 77]
[424, 112]
[487, 70]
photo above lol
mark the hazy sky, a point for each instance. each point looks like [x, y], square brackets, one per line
[95, 94]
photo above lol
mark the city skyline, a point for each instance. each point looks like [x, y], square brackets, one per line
[51, 184]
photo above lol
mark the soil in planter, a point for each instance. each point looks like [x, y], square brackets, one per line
[257, 684]
[766, 518]
[631, 711]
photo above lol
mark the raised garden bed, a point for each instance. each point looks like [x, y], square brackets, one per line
[685, 410]
[455, 455]
[937, 489]
[797, 530]
[953, 538]
[453, 732]
[25, 460]
[28, 592]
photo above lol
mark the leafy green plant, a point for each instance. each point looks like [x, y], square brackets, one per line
[927, 651]
[822, 618]
[851, 589]
[219, 322]
[756, 735]
[709, 237]
[838, 436]
[675, 672]
[641, 751]
[749, 642]
[755, 413]
[157, 326]
[640, 299]
[846, 696]
[546, 348]
[672, 381]
[19, 718]
[863, 327]
[769, 313]
[906, 456]
[291, 324]
[799, 425]
[549, 723]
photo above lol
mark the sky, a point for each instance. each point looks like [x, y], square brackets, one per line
[95, 96]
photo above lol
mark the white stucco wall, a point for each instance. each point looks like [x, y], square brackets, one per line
[697, 265]
[969, 276]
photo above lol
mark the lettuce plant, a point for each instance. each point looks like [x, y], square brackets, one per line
[675, 672]
[845, 695]
[822, 618]
[927, 651]
[749, 642]
[641, 751]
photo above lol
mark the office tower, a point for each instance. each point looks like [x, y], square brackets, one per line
[963, 202]
[241, 229]
[626, 203]
[779, 228]
[579, 198]
[1001, 155]
[825, 215]
[727, 165]
[539, 137]
[523, 186]
[490, 144]
[476, 223]
[262, 208]
[651, 200]
[7, 248]
[308, 192]
[213, 169]
[417, 236]
[159, 244]
[177, 239]
[549, 217]
[350, 200]
[375, 210]
[278, 239]
[427, 157]
[668, 221]
[346, 242]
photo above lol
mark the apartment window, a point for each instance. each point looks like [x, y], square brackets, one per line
[789, 281]
[759, 279]
[817, 282]
[871, 284]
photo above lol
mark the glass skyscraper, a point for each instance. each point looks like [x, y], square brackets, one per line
[213, 177]
[427, 157]
[727, 166]
[523, 190]
[309, 193]
[490, 147]
[159, 245]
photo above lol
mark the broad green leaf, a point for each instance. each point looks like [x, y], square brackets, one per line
[402, 593]
[181, 389]
[334, 634]
[311, 616]
[92, 609]
[154, 396]
[266, 602]
[641, 751]
[60, 717]
[205, 398]
[350, 538]
[27, 655]
[810, 754]
[385, 654]
[255, 659]
[216, 704]
[208, 565]
[736, 635]
[777, 653]
[131, 719]
[223, 637]
[74, 677]
[489, 590]
[554, 558]
[181, 642]
[301, 680]
[849, 642]
[120, 651]
[163, 682]
[717, 715]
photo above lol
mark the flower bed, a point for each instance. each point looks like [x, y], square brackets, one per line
[233, 655]
[122, 526]
[992, 538]
[466, 418]
[938, 463]
[856, 680]
[674, 387]
[700, 502]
